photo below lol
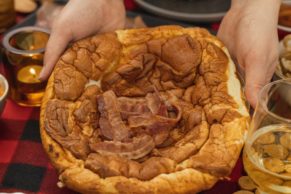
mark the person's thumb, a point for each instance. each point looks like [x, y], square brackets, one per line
[56, 45]
[256, 77]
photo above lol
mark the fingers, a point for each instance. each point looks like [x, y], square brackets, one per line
[257, 76]
[92, 17]
[56, 45]
[252, 90]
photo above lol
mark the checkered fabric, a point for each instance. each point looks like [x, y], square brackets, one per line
[24, 166]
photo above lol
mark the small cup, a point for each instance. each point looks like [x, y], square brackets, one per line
[24, 50]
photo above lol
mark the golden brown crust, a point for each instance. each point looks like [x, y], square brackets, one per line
[217, 142]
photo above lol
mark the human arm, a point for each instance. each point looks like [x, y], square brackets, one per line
[249, 30]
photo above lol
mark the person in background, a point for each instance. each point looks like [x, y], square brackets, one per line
[249, 31]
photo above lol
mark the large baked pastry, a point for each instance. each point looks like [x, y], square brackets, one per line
[154, 110]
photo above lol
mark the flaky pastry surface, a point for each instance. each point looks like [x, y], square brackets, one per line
[154, 110]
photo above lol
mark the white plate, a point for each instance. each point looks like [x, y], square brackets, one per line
[284, 28]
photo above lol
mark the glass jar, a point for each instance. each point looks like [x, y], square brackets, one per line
[24, 49]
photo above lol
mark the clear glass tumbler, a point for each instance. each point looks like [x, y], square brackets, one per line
[267, 152]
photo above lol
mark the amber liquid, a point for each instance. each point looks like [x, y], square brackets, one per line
[271, 179]
[25, 94]
[28, 94]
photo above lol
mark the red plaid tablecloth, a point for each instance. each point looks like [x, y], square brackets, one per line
[24, 166]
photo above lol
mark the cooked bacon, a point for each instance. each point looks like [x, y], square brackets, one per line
[153, 102]
[130, 107]
[120, 117]
[157, 126]
[111, 124]
[136, 148]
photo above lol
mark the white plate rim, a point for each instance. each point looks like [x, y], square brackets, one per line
[284, 28]
[181, 16]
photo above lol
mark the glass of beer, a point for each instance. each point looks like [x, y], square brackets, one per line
[267, 152]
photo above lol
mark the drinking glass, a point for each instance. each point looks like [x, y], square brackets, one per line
[267, 152]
